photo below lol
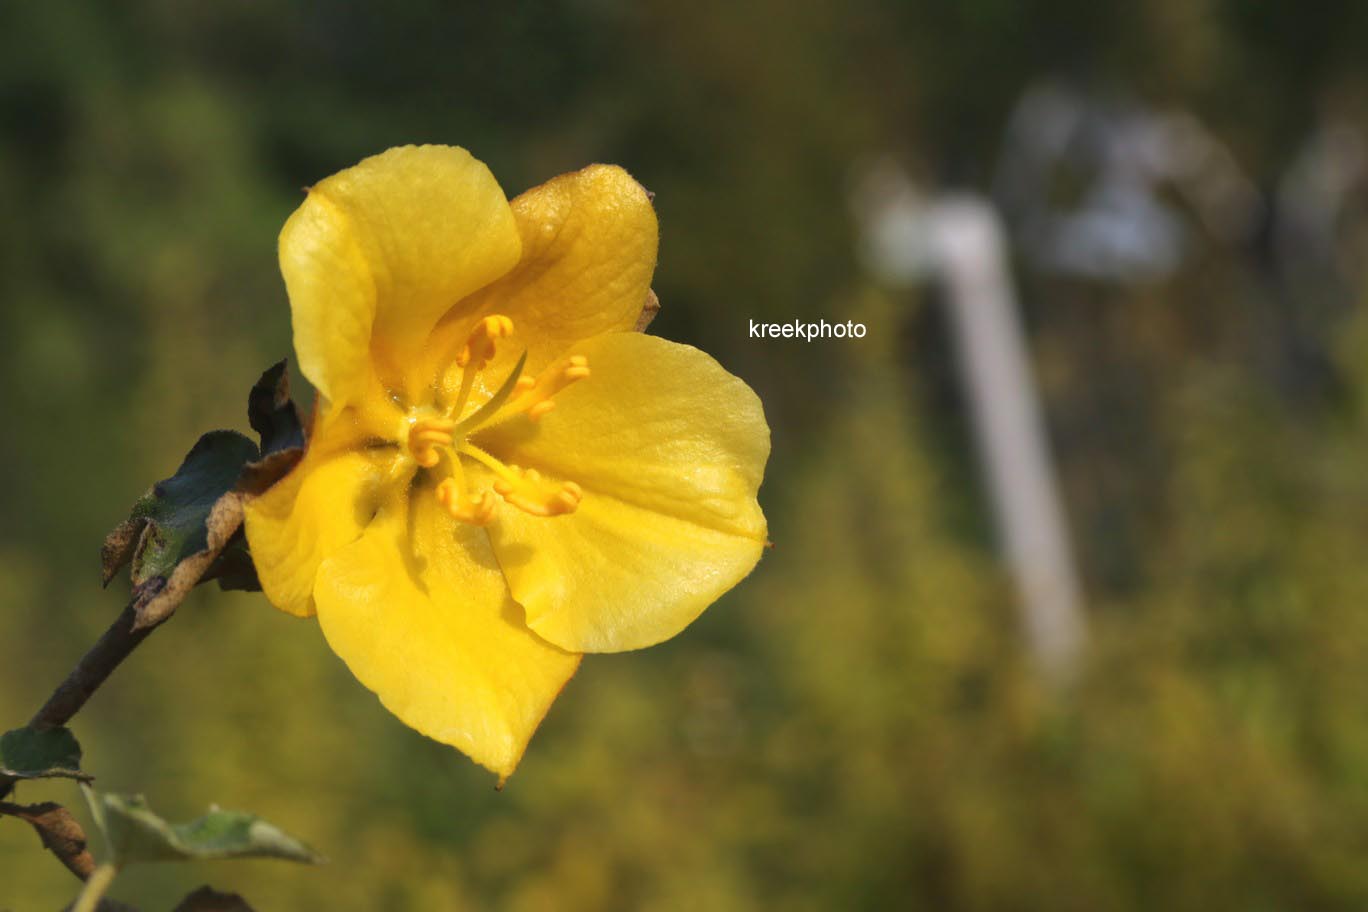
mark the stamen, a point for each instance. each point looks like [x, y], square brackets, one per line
[479, 348]
[526, 489]
[464, 508]
[531, 494]
[428, 437]
[533, 398]
[478, 351]
[479, 416]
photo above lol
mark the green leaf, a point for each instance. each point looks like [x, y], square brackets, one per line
[186, 529]
[177, 529]
[137, 834]
[30, 753]
[178, 509]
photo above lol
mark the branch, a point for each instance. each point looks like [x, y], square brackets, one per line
[95, 666]
[117, 643]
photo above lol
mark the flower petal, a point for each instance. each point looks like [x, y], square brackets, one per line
[379, 252]
[589, 243]
[322, 505]
[418, 610]
[670, 450]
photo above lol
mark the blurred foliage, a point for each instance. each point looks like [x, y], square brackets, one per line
[856, 725]
[138, 835]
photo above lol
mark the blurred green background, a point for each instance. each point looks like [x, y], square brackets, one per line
[858, 725]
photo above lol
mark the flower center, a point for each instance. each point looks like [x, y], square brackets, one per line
[438, 439]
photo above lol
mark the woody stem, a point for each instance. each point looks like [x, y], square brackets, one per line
[90, 672]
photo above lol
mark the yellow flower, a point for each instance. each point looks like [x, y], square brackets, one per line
[501, 475]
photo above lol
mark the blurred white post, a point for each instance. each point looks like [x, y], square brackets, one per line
[969, 253]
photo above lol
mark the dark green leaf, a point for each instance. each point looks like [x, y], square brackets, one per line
[28, 753]
[178, 528]
[137, 834]
[177, 509]
[186, 529]
[233, 569]
[273, 414]
[275, 418]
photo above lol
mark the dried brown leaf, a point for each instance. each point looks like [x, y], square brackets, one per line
[59, 831]
[648, 311]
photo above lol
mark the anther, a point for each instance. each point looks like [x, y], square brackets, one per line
[533, 397]
[465, 509]
[529, 493]
[427, 438]
[577, 369]
[568, 498]
[479, 348]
